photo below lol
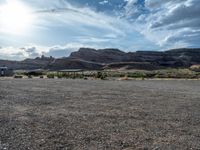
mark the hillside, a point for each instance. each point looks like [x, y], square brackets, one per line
[171, 58]
[92, 59]
[101, 56]
[70, 63]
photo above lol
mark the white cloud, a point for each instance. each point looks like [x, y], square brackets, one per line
[166, 23]
[104, 2]
[132, 10]
[169, 19]
[79, 17]
[11, 53]
[33, 51]
[52, 17]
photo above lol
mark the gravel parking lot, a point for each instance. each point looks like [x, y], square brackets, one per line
[56, 114]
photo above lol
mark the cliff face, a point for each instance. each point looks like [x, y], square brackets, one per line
[172, 58]
[70, 63]
[101, 56]
[92, 59]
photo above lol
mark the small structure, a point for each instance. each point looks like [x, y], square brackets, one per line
[4, 71]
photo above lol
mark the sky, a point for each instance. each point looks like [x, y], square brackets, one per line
[31, 28]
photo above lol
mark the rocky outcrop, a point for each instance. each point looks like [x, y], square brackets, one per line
[92, 59]
[100, 56]
[172, 58]
[70, 63]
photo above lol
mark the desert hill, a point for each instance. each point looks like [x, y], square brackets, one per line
[92, 59]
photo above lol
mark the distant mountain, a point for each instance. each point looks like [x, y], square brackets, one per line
[27, 64]
[70, 63]
[92, 59]
[171, 58]
[50, 63]
[100, 56]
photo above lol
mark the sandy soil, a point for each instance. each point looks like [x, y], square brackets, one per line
[45, 114]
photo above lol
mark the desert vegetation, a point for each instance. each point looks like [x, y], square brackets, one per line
[191, 73]
[195, 68]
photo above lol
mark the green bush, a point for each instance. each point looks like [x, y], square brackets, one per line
[50, 75]
[101, 75]
[60, 75]
[136, 75]
[18, 76]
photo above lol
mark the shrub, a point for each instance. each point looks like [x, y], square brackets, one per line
[150, 75]
[18, 76]
[50, 75]
[137, 75]
[33, 73]
[60, 75]
[100, 75]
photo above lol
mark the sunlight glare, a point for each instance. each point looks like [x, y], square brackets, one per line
[15, 17]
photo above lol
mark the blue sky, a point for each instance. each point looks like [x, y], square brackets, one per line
[58, 27]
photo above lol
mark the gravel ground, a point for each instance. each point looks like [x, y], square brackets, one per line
[56, 114]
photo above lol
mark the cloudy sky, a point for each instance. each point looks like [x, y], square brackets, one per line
[29, 28]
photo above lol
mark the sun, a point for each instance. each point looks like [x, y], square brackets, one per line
[15, 17]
